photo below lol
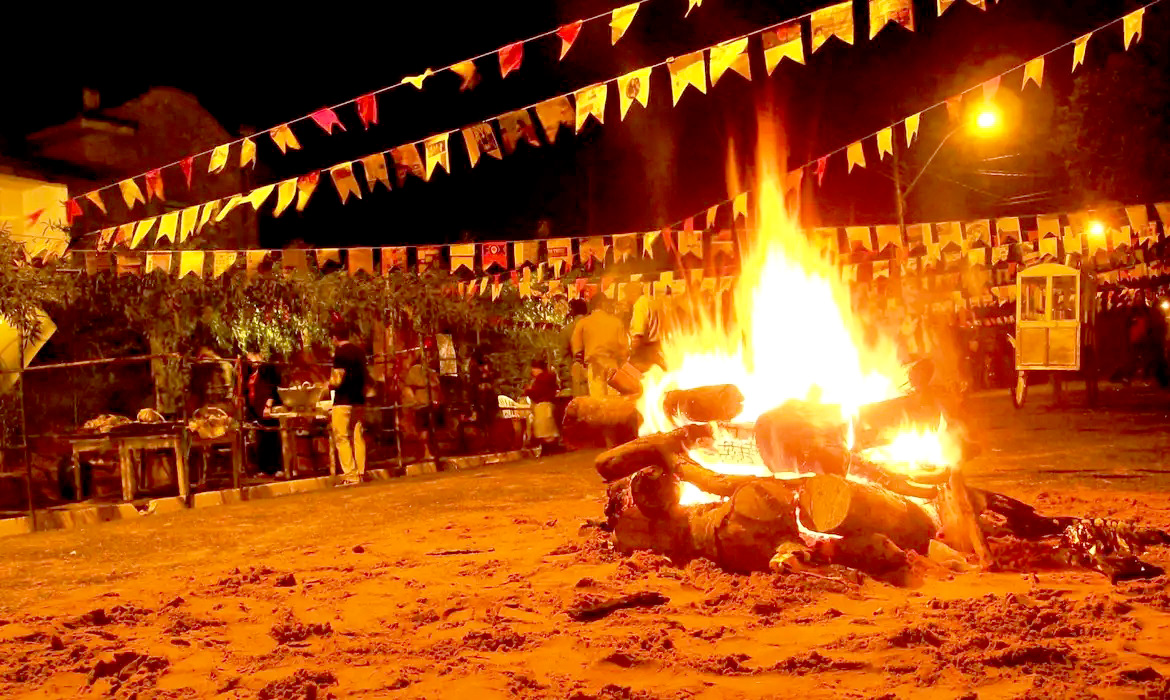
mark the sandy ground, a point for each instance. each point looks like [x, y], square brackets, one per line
[459, 586]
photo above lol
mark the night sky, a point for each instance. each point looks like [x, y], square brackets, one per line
[258, 69]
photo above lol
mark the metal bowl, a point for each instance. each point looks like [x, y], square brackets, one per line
[300, 398]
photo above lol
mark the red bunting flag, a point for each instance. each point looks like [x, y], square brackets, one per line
[72, 211]
[822, 166]
[510, 58]
[494, 254]
[568, 34]
[326, 119]
[367, 108]
[188, 167]
[154, 184]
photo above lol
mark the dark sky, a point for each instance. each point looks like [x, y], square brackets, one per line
[261, 68]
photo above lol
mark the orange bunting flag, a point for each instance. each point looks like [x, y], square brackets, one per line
[1007, 230]
[428, 256]
[510, 58]
[690, 241]
[593, 248]
[467, 71]
[141, 230]
[345, 181]
[560, 253]
[376, 171]
[517, 127]
[260, 195]
[462, 257]
[481, 139]
[911, 125]
[686, 70]
[168, 225]
[568, 34]
[96, 198]
[1034, 71]
[128, 263]
[888, 236]
[648, 243]
[526, 252]
[1139, 217]
[553, 114]
[495, 255]
[859, 238]
[883, 12]
[885, 142]
[620, 20]
[247, 152]
[990, 88]
[591, 103]
[306, 185]
[361, 260]
[327, 119]
[625, 247]
[855, 154]
[191, 263]
[393, 258]
[730, 55]
[739, 206]
[692, 4]
[417, 80]
[437, 154]
[130, 193]
[783, 42]
[632, 86]
[328, 255]
[1079, 50]
[1132, 24]
[221, 262]
[72, 211]
[219, 158]
[712, 212]
[187, 220]
[367, 109]
[106, 238]
[293, 260]
[407, 161]
[834, 20]
[158, 261]
[284, 138]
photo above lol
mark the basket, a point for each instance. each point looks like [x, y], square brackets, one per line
[300, 398]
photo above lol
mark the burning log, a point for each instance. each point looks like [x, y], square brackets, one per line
[871, 553]
[705, 404]
[834, 505]
[591, 421]
[655, 491]
[901, 484]
[743, 533]
[664, 450]
[960, 523]
[800, 433]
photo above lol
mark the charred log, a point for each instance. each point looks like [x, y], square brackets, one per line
[960, 522]
[901, 484]
[659, 450]
[705, 404]
[599, 422]
[870, 553]
[803, 435]
[655, 491]
[834, 505]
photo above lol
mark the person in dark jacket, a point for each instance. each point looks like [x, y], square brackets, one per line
[262, 398]
[542, 391]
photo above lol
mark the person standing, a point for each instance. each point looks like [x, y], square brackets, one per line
[541, 392]
[645, 329]
[600, 342]
[578, 376]
[348, 381]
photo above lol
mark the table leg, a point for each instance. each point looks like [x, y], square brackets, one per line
[77, 480]
[332, 449]
[181, 474]
[287, 448]
[126, 465]
[237, 458]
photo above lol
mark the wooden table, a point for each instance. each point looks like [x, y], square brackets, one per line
[125, 446]
[233, 438]
[288, 427]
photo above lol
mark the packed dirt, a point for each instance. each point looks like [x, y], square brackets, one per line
[486, 584]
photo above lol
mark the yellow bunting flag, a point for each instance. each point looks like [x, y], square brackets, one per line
[730, 55]
[690, 242]
[834, 20]
[481, 139]
[260, 195]
[219, 158]
[168, 225]
[361, 260]
[976, 234]
[911, 125]
[883, 12]
[344, 180]
[462, 257]
[407, 161]
[950, 234]
[187, 220]
[96, 198]
[235, 201]
[285, 192]
[944, 4]
[885, 142]
[284, 138]
[253, 259]
[1048, 226]
[783, 42]
[1132, 24]
[632, 86]
[374, 166]
[141, 230]
[591, 103]
[221, 262]
[158, 261]
[467, 71]
[207, 213]
[712, 212]
[1079, 50]
[1034, 71]
[553, 114]
[417, 80]
[191, 262]
[855, 154]
[525, 252]
[625, 247]
[620, 21]
[1007, 230]
[516, 127]
[859, 237]
[686, 70]
[593, 248]
[127, 263]
[247, 152]
[888, 236]
[739, 206]
[131, 194]
[648, 243]
[306, 185]
[692, 4]
[1139, 217]
[437, 154]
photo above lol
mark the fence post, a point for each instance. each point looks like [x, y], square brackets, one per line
[28, 470]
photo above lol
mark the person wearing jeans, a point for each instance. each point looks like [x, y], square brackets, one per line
[348, 381]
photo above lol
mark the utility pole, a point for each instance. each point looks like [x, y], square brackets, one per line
[899, 197]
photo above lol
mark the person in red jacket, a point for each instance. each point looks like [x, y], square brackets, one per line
[542, 391]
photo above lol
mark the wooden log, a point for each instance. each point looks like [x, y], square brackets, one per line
[741, 534]
[834, 505]
[712, 482]
[655, 491]
[960, 523]
[704, 404]
[658, 450]
[670, 535]
[901, 484]
[593, 422]
[803, 436]
[871, 553]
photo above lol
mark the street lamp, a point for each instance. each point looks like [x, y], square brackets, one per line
[986, 122]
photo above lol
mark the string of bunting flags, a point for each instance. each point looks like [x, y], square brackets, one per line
[503, 133]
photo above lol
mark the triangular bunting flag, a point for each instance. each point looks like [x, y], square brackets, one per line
[462, 257]
[374, 166]
[560, 253]
[437, 154]
[1034, 71]
[1139, 217]
[1132, 24]
[990, 88]
[648, 243]
[191, 262]
[525, 252]
[235, 201]
[260, 195]
[510, 58]
[306, 185]
[221, 262]
[72, 211]
[834, 20]
[632, 86]
[480, 139]
[855, 155]
[130, 193]
[712, 213]
[187, 220]
[517, 127]
[883, 12]
[739, 206]
[168, 225]
[247, 152]
[568, 34]
[684, 71]
[158, 261]
[154, 184]
[345, 181]
[885, 142]
[205, 215]
[367, 109]
[219, 158]
[1079, 50]
[783, 42]
[187, 165]
[553, 114]
[327, 119]
[284, 138]
[591, 103]
[911, 125]
[96, 198]
[495, 255]
[106, 238]
[361, 260]
[692, 4]
[625, 247]
[407, 161]
[417, 80]
[620, 21]
[468, 74]
[141, 229]
[328, 255]
[730, 55]
[593, 248]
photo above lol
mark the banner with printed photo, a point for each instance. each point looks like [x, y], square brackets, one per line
[832, 21]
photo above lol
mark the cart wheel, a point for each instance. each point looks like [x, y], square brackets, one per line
[1020, 390]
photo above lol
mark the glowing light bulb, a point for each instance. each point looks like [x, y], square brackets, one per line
[987, 120]
[1097, 228]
